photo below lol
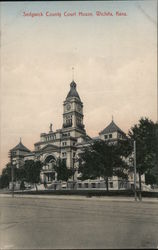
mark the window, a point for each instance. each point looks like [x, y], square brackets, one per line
[132, 186]
[110, 135]
[111, 184]
[79, 185]
[64, 134]
[93, 185]
[69, 121]
[49, 178]
[64, 143]
[122, 184]
[86, 185]
[64, 154]
[105, 136]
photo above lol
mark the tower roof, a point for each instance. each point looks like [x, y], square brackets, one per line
[20, 147]
[112, 127]
[73, 92]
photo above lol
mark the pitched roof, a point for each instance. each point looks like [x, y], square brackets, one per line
[73, 92]
[112, 127]
[20, 147]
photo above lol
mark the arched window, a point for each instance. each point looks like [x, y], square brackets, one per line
[49, 159]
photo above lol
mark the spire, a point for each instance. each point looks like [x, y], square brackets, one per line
[20, 140]
[73, 85]
[73, 92]
[72, 73]
[112, 118]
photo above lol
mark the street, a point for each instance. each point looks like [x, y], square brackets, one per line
[51, 223]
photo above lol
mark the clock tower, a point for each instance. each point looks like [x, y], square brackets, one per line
[73, 112]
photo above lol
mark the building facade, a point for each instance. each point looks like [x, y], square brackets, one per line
[67, 143]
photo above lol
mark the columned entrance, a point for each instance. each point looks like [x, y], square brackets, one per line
[48, 171]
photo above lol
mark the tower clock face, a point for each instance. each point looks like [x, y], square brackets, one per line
[68, 107]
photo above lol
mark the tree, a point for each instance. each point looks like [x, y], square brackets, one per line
[146, 136]
[102, 159]
[6, 178]
[63, 173]
[4, 181]
[153, 172]
[150, 178]
[30, 172]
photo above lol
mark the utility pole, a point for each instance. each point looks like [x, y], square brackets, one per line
[135, 172]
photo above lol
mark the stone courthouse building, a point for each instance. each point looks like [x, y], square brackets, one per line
[67, 143]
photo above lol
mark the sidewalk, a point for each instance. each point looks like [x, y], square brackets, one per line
[79, 197]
